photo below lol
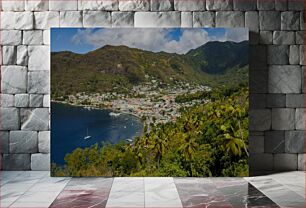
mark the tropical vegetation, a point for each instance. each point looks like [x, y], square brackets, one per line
[119, 68]
[209, 139]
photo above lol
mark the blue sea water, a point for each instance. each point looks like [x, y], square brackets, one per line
[69, 126]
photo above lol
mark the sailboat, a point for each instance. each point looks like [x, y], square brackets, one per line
[129, 140]
[87, 136]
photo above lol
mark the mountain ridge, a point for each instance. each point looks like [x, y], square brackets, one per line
[124, 46]
[122, 67]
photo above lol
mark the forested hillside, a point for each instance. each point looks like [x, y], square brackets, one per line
[206, 133]
[207, 140]
[121, 67]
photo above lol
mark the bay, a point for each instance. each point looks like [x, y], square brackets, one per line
[69, 126]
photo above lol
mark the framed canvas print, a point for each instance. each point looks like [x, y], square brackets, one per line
[149, 102]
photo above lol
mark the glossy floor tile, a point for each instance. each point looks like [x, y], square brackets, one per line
[126, 199]
[14, 184]
[200, 192]
[22, 189]
[84, 192]
[161, 192]
[221, 192]
[278, 192]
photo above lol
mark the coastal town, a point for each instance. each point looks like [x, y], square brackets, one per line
[152, 101]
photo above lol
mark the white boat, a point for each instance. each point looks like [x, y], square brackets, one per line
[88, 108]
[87, 137]
[114, 114]
[129, 140]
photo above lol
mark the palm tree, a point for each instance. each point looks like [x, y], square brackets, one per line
[159, 145]
[140, 144]
[242, 138]
[234, 144]
[188, 149]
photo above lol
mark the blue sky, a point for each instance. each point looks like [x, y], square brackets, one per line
[177, 40]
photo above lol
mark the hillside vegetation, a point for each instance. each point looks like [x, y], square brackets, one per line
[118, 68]
[219, 57]
[207, 140]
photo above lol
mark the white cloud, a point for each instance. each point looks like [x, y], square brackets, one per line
[152, 39]
[236, 35]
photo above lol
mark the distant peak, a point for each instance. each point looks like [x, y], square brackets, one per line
[66, 53]
[114, 47]
[217, 44]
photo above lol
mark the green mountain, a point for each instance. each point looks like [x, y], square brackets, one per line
[217, 57]
[119, 67]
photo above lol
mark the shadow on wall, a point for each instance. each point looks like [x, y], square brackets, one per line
[276, 116]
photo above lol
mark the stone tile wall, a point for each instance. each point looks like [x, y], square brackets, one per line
[277, 125]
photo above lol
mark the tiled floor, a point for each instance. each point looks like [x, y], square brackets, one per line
[37, 189]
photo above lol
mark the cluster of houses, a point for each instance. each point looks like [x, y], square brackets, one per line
[152, 101]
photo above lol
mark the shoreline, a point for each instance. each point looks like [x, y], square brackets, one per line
[97, 108]
[137, 128]
[150, 106]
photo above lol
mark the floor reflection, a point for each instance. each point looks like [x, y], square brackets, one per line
[84, 192]
[221, 192]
